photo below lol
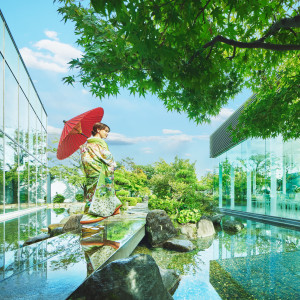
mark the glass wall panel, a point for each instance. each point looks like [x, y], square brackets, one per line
[11, 175]
[1, 36]
[32, 182]
[1, 172]
[226, 168]
[1, 91]
[23, 120]
[33, 98]
[39, 184]
[44, 146]
[261, 176]
[257, 161]
[10, 104]
[44, 119]
[23, 79]
[32, 130]
[11, 54]
[23, 174]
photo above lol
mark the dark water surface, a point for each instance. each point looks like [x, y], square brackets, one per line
[260, 262]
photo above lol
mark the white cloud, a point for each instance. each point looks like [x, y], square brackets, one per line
[170, 141]
[171, 131]
[51, 34]
[50, 55]
[85, 92]
[223, 115]
[53, 130]
[187, 154]
[147, 150]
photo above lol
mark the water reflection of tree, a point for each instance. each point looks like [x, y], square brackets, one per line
[186, 263]
[116, 231]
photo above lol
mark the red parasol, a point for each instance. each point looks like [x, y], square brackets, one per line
[76, 132]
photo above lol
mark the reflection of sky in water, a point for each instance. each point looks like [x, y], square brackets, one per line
[57, 266]
[258, 252]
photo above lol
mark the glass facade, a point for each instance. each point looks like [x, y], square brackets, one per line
[260, 176]
[23, 134]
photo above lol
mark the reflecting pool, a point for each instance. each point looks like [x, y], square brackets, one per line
[260, 262]
[56, 267]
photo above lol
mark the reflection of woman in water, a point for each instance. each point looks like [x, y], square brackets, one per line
[99, 166]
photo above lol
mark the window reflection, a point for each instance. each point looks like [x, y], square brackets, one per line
[32, 130]
[23, 125]
[10, 104]
[11, 175]
[23, 173]
[1, 35]
[1, 172]
[261, 176]
[11, 54]
[32, 182]
[1, 91]
[23, 120]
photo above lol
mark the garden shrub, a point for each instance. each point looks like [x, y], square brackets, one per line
[122, 193]
[189, 216]
[132, 201]
[79, 197]
[58, 198]
[171, 207]
[139, 199]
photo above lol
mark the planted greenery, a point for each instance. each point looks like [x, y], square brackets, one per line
[189, 216]
[79, 197]
[58, 198]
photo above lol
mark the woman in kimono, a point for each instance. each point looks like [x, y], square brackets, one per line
[99, 166]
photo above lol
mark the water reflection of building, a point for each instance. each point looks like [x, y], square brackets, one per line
[257, 263]
[23, 132]
[256, 175]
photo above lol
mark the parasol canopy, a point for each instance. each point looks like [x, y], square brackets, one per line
[76, 131]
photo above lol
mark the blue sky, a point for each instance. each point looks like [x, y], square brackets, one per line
[141, 128]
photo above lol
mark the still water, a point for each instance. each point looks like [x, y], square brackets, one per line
[260, 262]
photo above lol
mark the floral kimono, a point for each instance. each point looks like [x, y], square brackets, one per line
[99, 166]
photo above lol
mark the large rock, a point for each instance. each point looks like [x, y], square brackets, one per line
[56, 231]
[73, 223]
[232, 226]
[136, 277]
[38, 238]
[216, 219]
[205, 228]
[159, 227]
[179, 245]
[170, 279]
[189, 230]
[51, 227]
[76, 208]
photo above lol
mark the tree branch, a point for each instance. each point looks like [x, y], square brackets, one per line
[286, 23]
[252, 45]
[200, 12]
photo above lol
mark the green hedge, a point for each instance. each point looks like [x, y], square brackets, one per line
[122, 193]
[79, 197]
[132, 201]
[58, 198]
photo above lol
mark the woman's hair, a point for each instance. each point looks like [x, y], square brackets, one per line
[99, 126]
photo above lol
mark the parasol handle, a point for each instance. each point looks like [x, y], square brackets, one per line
[66, 123]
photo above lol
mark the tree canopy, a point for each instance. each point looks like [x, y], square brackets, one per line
[195, 55]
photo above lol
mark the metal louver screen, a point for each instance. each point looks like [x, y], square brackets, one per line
[220, 140]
